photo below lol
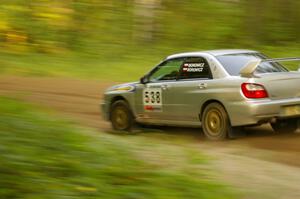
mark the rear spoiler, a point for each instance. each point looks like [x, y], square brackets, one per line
[250, 67]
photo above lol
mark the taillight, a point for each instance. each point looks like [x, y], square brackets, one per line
[254, 91]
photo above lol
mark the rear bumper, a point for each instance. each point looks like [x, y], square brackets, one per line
[260, 111]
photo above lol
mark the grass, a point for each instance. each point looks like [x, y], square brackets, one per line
[76, 65]
[45, 157]
[129, 66]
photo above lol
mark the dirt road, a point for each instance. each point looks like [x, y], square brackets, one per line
[263, 163]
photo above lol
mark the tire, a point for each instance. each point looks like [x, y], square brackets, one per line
[121, 116]
[215, 122]
[285, 126]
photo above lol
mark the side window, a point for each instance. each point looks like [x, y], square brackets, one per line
[195, 67]
[169, 70]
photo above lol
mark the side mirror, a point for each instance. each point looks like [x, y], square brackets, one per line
[144, 80]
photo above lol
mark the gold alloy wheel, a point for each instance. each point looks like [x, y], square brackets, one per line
[214, 122]
[120, 118]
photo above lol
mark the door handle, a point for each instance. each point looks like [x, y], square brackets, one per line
[202, 85]
[165, 86]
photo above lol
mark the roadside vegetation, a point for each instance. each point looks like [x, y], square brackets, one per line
[45, 157]
[83, 66]
[121, 40]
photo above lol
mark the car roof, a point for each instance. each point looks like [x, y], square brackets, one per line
[212, 52]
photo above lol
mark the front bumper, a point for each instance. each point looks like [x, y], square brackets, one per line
[104, 111]
[251, 112]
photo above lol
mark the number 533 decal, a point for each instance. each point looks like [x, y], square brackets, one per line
[152, 98]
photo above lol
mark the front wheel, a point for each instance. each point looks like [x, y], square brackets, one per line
[215, 122]
[285, 126]
[121, 116]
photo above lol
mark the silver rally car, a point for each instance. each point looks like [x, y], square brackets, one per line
[220, 90]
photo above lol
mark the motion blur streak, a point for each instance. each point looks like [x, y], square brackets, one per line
[58, 44]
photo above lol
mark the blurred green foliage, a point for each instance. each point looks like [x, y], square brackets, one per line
[43, 157]
[103, 36]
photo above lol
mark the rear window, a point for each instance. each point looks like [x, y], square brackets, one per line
[235, 62]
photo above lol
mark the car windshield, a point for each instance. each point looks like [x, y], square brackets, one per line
[233, 63]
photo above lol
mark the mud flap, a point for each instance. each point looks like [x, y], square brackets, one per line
[298, 126]
[236, 132]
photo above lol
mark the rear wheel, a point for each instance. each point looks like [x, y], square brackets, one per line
[285, 126]
[215, 122]
[121, 116]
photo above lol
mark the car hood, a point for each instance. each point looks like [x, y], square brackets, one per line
[126, 87]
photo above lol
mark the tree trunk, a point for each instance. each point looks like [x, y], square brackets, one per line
[145, 12]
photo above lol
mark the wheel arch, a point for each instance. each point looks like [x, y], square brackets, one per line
[206, 103]
[117, 98]
[114, 99]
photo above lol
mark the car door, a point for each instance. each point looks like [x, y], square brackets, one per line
[150, 96]
[184, 97]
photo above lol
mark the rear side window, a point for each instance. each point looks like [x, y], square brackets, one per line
[195, 67]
